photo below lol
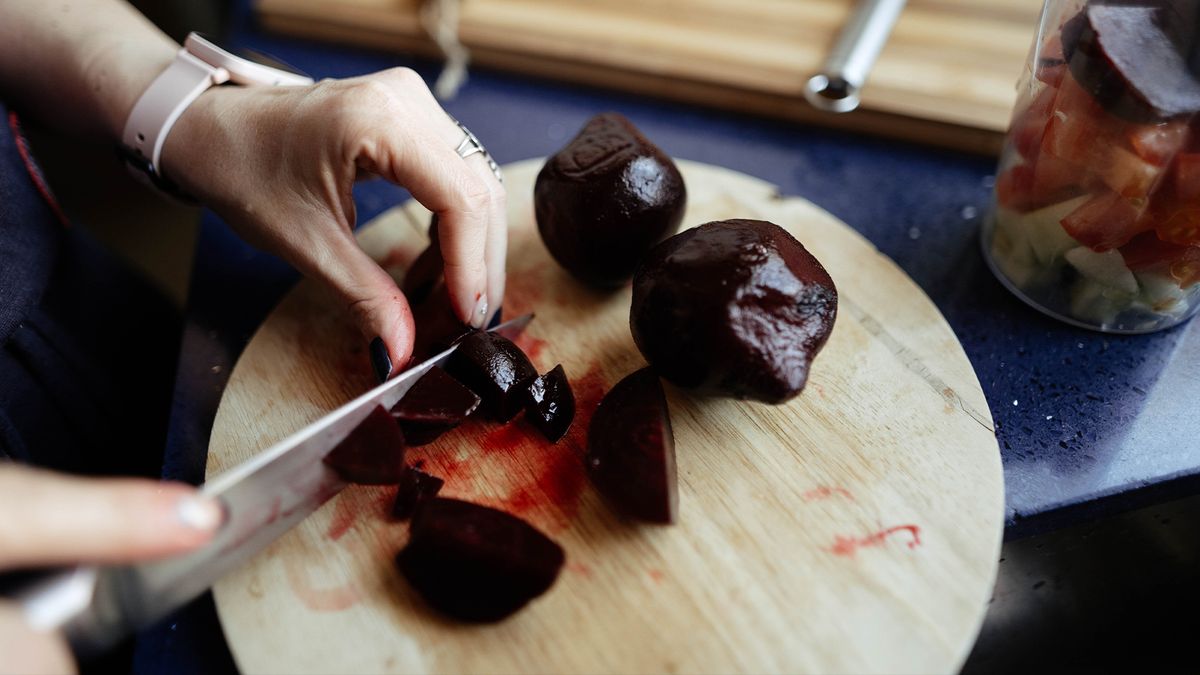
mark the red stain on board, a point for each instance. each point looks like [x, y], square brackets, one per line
[657, 576]
[347, 510]
[825, 492]
[532, 347]
[330, 599]
[848, 546]
[580, 569]
[514, 468]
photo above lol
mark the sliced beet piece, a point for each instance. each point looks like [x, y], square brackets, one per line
[437, 325]
[436, 404]
[416, 488]
[426, 271]
[631, 450]
[551, 404]
[476, 563]
[1134, 58]
[373, 454]
[496, 369]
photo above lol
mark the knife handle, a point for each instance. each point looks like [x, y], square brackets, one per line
[79, 603]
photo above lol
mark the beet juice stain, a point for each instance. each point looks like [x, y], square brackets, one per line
[848, 546]
[826, 492]
[332, 599]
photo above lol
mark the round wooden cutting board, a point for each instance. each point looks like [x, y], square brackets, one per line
[855, 529]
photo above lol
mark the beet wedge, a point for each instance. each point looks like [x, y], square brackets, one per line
[436, 404]
[416, 488]
[551, 404]
[631, 450]
[373, 454]
[495, 369]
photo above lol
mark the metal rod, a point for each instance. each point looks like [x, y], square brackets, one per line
[835, 88]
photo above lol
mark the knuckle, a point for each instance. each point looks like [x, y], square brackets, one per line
[373, 92]
[368, 309]
[406, 77]
[475, 196]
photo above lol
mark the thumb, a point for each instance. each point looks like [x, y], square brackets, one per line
[58, 519]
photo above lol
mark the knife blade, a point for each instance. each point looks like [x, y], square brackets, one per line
[263, 498]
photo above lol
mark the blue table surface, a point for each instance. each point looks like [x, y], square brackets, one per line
[1086, 423]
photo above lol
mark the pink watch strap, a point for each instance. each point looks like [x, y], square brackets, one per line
[164, 101]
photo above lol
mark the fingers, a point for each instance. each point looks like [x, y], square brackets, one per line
[379, 307]
[51, 519]
[496, 251]
[439, 179]
[28, 651]
[420, 154]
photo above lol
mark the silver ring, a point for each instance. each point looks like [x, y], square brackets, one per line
[470, 145]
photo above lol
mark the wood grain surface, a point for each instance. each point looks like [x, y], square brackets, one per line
[946, 77]
[855, 529]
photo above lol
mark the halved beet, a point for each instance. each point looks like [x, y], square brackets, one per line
[1134, 57]
[436, 404]
[551, 404]
[631, 450]
[416, 488]
[476, 563]
[437, 326]
[373, 454]
[496, 369]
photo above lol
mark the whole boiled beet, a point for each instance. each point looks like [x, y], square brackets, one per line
[735, 308]
[607, 197]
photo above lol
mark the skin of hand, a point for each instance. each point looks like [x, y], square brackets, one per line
[53, 519]
[277, 163]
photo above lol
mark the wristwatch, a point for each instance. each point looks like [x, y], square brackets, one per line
[201, 64]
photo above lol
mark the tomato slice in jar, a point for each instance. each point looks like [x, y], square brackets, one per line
[1158, 143]
[1029, 127]
[1027, 187]
[1147, 252]
[1104, 222]
[1187, 178]
[1181, 226]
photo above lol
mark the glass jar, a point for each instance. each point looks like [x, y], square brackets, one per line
[1096, 214]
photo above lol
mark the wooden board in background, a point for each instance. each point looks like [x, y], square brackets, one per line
[947, 76]
[855, 529]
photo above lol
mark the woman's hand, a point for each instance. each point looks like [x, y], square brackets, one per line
[279, 163]
[53, 519]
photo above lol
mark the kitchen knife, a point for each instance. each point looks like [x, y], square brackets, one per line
[263, 498]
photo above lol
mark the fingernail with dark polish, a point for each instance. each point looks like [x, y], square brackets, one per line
[496, 318]
[380, 361]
